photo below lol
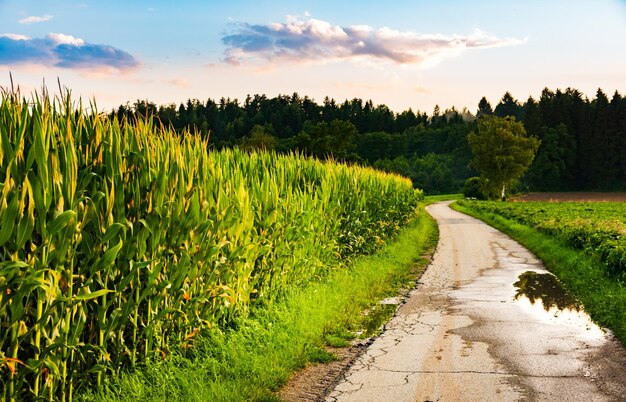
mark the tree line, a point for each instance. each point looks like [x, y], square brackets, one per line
[583, 141]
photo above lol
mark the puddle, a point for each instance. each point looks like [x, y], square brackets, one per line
[544, 288]
[376, 317]
[541, 295]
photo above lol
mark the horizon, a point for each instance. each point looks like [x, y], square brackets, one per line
[44, 89]
[406, 55]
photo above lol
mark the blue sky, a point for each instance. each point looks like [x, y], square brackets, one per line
[402, 53]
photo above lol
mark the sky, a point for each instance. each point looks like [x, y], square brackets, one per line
[406, 54]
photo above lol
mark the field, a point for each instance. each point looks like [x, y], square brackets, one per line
[582, 243]
[597, 228]
[573, 196]
[121, 241]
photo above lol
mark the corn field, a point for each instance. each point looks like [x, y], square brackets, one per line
[120, 241]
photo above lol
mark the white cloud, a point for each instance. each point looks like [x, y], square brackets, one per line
[14, 36]
[311, 40]
[62, 39]
[34, 19]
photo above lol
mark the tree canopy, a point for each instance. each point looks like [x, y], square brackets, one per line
[502, 152]
[583, 141]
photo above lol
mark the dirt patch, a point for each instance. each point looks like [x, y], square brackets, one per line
[607, 368]
[580, 197]
[315, 381]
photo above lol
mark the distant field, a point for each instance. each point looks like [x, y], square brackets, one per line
[571, 196]
[582, 243]
[442, 197]
[595, 227]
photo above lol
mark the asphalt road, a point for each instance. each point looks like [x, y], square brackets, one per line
[467, 333]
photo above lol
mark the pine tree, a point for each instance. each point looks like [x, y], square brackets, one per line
[484, 108]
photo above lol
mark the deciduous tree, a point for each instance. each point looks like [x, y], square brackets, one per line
[502, 152]
[259, 139]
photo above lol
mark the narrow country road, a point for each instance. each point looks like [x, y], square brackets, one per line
[469, 331]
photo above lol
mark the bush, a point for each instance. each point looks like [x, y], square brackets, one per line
[473, 189]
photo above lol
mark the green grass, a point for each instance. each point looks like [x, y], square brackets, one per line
[442, 197]
[253, 358]
[582, 274]
[598, 228]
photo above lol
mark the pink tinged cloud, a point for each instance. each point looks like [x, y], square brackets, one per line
[315, 41]
[180, 82]
[64, 51]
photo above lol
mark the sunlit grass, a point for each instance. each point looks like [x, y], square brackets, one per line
[442, 197]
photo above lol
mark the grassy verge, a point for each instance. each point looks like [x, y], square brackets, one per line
[257, 355]
[604, 297]
[442, 197]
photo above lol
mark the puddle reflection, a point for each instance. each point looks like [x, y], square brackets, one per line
[544, 288]
[542, 296]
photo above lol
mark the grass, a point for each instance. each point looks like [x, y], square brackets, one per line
[598, 228]
[442, 197]
[256, 355]
[603, 296]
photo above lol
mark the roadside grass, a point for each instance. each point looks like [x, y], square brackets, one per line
[253, 358]
[429, 199]
[582, 275]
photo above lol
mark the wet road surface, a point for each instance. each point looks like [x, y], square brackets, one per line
[486, 323]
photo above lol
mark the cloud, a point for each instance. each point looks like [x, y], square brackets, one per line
[63, 39]
[14, 36]
[180, 82]
[311, 40]
[34, 19]
[420, 89]
[64, 51]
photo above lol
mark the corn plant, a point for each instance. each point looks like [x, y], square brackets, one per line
[120, 240]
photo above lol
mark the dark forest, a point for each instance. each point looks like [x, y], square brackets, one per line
[583, 141]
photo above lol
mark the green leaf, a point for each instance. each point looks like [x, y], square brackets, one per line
[96, 368]
[7, 220]
[27, 221]
[109, 257]
[112, 231]
[92, 295]
[61, 221]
